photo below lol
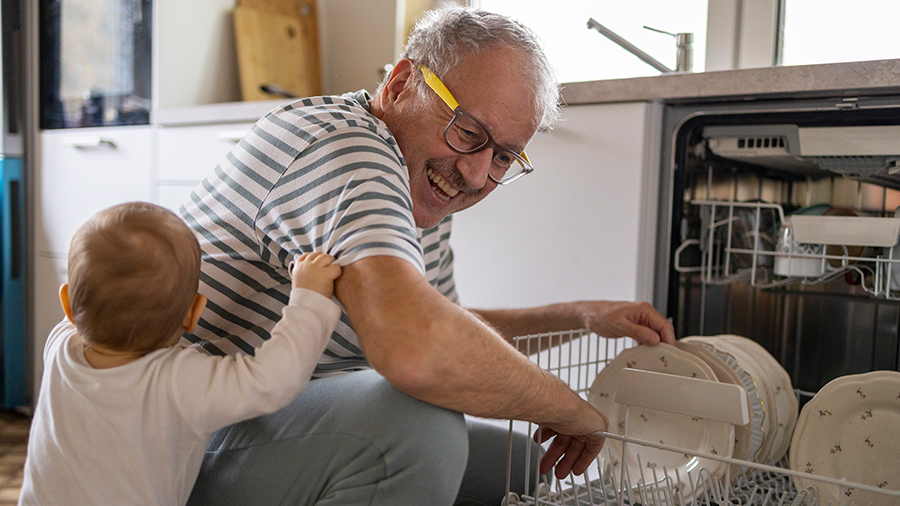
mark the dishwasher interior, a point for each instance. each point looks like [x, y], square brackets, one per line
[776, 223]
[782, 229]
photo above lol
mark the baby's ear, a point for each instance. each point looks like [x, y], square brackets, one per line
[64, 300]
[193, 314]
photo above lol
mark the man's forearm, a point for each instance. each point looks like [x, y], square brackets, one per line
[512, 323]
[638, 320]
[437, 352]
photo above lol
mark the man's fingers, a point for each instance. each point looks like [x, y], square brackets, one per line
[567, 453]
[556, 450]
[570, 457]
[588, 456]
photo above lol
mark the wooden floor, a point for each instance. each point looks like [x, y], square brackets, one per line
[13, 443]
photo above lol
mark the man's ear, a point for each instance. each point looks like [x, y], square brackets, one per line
[399, 81]
[64, 300]
[193, 314]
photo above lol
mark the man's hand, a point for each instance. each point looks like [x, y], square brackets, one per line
[638, 320]
[570, 454]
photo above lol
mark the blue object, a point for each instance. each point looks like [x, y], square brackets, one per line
[12, 284]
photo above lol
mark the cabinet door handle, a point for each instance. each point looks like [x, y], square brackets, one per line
[86, 141]
[231, 135]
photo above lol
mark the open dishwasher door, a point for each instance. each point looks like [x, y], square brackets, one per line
[777, 223]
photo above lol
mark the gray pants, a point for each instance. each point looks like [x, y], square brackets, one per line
[354, 439]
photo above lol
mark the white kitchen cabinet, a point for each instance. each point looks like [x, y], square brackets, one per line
[187, 154]
[581, 226]
[83, 171]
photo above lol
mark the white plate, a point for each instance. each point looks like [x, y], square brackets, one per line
[757, 397]
[765, 385]
[849, 430]
[786, 404]
[680, 431]
[725, 374]
[778, 404]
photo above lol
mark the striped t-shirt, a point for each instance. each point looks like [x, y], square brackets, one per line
[317, 174]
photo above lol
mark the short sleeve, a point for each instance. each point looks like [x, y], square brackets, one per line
[348, 196]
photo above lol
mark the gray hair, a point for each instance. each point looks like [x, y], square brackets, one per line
[445, 36]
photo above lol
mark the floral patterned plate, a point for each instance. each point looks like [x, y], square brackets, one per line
[645, 465]
[851, 430]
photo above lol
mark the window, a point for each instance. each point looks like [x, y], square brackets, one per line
[831, 31]
[728, 34]
[580, 54]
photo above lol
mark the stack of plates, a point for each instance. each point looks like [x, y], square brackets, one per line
[849, 431]
[727, 359]
[774, 403]
[642, 465]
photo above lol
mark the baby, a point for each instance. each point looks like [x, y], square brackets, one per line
[125, 412]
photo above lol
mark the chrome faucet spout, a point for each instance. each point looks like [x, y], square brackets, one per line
[628, 46]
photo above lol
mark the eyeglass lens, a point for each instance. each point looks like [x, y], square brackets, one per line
[466, 135]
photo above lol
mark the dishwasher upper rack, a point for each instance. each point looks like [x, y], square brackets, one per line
[576, 356]
[720, 252]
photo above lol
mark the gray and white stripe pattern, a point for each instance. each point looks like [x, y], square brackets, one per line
[318, 174]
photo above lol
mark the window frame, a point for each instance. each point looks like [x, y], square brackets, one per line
[744, 34]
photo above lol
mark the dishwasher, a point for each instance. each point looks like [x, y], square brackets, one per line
[778, 223]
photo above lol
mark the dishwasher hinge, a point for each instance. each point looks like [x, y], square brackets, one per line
[848, 103]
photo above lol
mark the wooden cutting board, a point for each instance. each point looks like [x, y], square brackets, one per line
[277, 44]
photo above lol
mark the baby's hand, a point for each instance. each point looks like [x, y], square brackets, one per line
[315, 271]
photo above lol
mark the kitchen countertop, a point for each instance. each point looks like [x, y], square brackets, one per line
[875, 77]
[229, 112]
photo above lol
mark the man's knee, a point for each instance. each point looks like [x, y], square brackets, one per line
[422, 443]
[429, 431]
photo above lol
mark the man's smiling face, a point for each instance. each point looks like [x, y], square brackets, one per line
[492, 88]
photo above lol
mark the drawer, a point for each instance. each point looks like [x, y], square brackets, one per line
[189, 153]
[83, 171]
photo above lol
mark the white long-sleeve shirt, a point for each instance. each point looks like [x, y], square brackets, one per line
[136, 434]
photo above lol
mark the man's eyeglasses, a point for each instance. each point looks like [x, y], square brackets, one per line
[465, 134]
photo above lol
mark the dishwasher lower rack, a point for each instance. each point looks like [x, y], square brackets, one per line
[576, 357]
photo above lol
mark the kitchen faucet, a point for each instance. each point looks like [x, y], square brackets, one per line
[684, 56]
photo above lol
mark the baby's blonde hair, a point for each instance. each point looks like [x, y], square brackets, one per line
[134, 269]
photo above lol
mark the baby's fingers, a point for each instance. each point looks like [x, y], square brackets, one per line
[333, 271]
[321, 259]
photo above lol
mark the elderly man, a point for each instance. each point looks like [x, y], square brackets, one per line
[374, 182]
